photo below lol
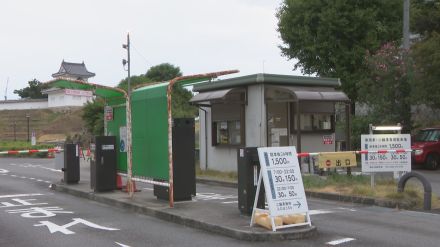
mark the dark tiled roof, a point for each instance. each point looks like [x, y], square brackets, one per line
[78, 70]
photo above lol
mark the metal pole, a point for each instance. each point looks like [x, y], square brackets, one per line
[372, 174]
[28, 117]
[15, 132]
[406, 24]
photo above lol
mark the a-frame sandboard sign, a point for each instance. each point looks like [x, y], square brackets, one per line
[283, 185]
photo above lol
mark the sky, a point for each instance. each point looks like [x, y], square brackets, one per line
[199, 36]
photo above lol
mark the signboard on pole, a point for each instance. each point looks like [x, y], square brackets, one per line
[336, 159]
[108, 113]
[386, 161]
[282, 181]
[33, 139]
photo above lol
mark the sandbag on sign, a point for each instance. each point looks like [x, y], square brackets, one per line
[293, 219]
[263, 220]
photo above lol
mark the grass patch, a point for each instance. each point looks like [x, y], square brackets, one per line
[360, 186]
[227, 176]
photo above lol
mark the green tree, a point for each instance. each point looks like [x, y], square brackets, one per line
[135, 80]
[163, 72]
[388, 90]
[33, 91]
[93, 115]
[425, 21]
[331, 38]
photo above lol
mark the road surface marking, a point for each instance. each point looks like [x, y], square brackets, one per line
[32, 178]
[23, 177]
[39, 180]
[13, 175]
[340, 241]
[122, 245]
[20, 195]
[148, 189]
[3, 171]
[230, 202]
[48, 182]
[317, 211]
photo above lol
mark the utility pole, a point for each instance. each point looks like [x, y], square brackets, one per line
[130, 183]
[406, 24]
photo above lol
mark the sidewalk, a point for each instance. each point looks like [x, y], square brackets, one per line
[216, 218]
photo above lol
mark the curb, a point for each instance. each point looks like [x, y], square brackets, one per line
[298, 233]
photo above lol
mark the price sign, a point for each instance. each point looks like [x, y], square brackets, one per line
[389, 161]
[282, 180]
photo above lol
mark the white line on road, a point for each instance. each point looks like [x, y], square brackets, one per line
[39, 180]
[148, 189]
[122, 245]
[21, 195]
[23, 177]
[13, 175]
[317, 211]
[230, 202]
[32, 178]
[340, 241]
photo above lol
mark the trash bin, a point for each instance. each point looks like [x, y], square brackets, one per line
[248, 170]
[103, 166]
[71, 163]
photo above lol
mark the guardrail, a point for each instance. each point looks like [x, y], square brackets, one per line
[31, 151]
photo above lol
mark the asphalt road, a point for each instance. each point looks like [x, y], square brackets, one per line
[33, 215]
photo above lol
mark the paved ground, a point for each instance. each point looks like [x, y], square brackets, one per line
[342, 224]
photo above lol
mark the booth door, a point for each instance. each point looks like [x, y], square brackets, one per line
[277, 124]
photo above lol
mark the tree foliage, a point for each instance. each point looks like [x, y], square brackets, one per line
[33, 91]
[163, 72]
[330, 38]
[93, 115]
[134, 81]
[426, 52]
[388, 89]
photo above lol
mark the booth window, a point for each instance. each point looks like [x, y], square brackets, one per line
[227, 125]
[315, 122]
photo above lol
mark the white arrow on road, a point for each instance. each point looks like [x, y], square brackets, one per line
[122, 245]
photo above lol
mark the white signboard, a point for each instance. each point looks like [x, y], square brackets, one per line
[386, 161]
[123, 139]
[282, 180]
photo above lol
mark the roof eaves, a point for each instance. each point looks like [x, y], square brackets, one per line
[268, 79]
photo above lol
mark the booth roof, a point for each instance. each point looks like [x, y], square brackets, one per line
[275, 79]
[113, 92]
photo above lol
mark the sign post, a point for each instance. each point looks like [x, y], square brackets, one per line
[283, 185]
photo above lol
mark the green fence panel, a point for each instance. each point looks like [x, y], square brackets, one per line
[150, 131]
